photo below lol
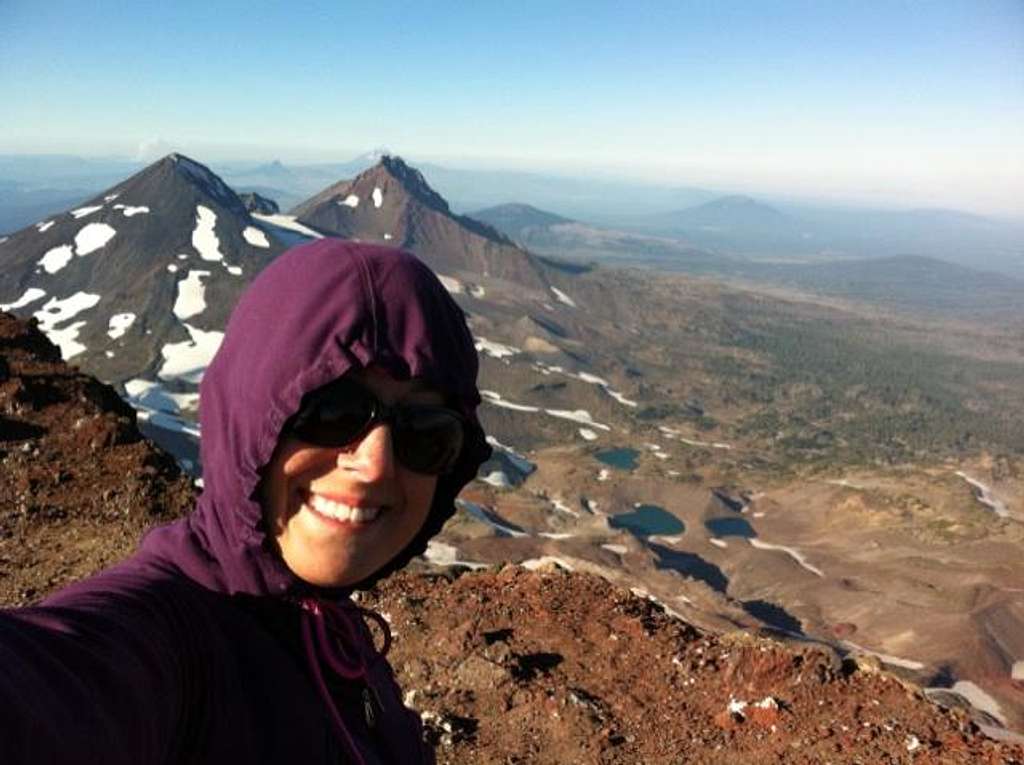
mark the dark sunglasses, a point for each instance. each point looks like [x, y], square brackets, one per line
[426, 439]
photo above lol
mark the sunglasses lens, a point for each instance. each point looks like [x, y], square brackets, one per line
[428, 439]
[334, 418]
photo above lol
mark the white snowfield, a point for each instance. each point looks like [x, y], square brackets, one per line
[191, 299]
[204, 238]
[92, 237]
[44, 226]
[477, 511]
[129, 210]
[81, 212]
[586, 377]
[111, 197]
[519, 462]
[587, 434]
[55, 259]
[378, 197]
[718, 542]
[255, 237]
[450, 283]
[30, 295]
[794, 554]
[563, 298]
[985, 496]
[56, 312]
[151, 394]
[119, 324]
[561, 507]
[350, 201]
[288, 222]
[617, 549]
[190, 358]
[494, 349]
[497, 479]
[581, 416]
[491, 397]
[161, 408]
[441, 554]
[172, 268]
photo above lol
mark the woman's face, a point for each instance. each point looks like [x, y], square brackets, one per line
[340, 514]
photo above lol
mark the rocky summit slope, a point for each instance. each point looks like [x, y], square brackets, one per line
[506, 665]
[547, 666]
[78, 484]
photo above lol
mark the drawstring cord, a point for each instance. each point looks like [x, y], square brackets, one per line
[323, 621]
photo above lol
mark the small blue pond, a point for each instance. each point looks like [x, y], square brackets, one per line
[646, 520]
[730, 527]
[621, 459]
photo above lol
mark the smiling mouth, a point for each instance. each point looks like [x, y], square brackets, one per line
[339, 512]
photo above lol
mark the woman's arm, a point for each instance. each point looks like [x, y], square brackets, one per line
[95, 675]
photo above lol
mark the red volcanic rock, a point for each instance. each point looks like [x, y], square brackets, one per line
[514, 666]
[78, 483]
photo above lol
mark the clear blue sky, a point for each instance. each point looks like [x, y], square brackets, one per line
[922, 99]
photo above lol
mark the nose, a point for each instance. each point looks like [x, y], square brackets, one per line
[373, 458]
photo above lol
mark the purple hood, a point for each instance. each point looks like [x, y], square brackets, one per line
[316, 312]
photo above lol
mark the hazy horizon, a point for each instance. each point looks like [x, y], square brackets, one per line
[883, 104]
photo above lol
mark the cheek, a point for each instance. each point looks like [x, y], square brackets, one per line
[419, 495]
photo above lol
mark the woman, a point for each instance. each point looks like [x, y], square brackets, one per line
[338, 422]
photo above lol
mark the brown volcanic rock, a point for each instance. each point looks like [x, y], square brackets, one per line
[78, 484]
[392, 203]
[553, 667]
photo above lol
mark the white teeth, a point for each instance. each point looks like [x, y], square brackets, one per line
[342, 512]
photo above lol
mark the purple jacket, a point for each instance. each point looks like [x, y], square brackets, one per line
[203, 647]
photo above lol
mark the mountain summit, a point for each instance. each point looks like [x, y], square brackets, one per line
[392, 203]
[138, 281]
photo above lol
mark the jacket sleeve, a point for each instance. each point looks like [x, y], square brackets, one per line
[93, 676]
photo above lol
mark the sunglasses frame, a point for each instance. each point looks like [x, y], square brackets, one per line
[395, 415]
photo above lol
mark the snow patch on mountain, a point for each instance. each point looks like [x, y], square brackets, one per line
[519, 461]
[288, 223]
[92, 237]
[493, 349]
[450, 283]
[129, 211]
[794, 554]
[587, 434]
[492, 397]
[351, 200]
[204, 238]
[56, 311]
[255, 237]
[378, 197]
[562, 297]
[191, 298]
[31, 295]
[55, 259]
[119, 324]
[480, 513]
[44, 226]
[188, 359]
[81, 212]
[581, 416]
[441, 554]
